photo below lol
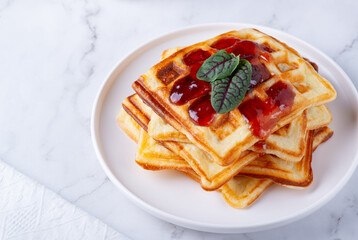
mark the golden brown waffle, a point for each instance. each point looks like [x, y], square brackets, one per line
[239, 192]
[282, 171]
[318, 117]
[298, 174]
[228, 156]
[320, 136]
[287, 143]
[212, 175]
[154, 156]
[128, 125]
[157, 157]
[225, 140]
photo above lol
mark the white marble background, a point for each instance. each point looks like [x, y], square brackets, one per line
[54, 55]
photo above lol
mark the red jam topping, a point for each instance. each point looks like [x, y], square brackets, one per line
[201, 112]
[246, 49]
[259, 75]
[188, 88]
[194, 69]
[266, 48]
[226, 43]
[261, 145]
[250, 51]
[264, 115]
[196, 56]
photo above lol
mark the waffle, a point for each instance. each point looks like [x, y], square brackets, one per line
[212, 175]
[317, 116]
[228, 152]
[286, 143]
[152, 155]
[128, 125]
[159, 129]
[239, 192]
[230, 136]
[281, 171]
[132, 128]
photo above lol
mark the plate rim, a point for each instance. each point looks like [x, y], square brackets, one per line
[197, 225]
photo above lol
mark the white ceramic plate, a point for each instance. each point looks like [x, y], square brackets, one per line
[176, 198]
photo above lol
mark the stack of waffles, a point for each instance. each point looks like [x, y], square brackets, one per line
[242, 152]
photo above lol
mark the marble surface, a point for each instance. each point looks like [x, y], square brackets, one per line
[54, 55]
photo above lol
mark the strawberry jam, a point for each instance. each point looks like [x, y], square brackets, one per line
[261, 146]
[226, 43]
[194, 69]
[196, 56]
[250, 51]
[259, 74]
[264, 115]
[188, 88]
[246, 49]
[201, 112]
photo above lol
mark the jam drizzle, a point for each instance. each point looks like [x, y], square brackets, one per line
[186, 89]
[196, 56]
[201, 112]
[264, 115]
[261, 146]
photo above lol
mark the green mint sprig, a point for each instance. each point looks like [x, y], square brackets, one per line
[217, 66]
[230, 78]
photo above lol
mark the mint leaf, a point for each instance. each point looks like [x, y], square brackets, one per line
[227, 93]
[217, 66]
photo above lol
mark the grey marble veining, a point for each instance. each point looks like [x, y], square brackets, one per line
[54, 55]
